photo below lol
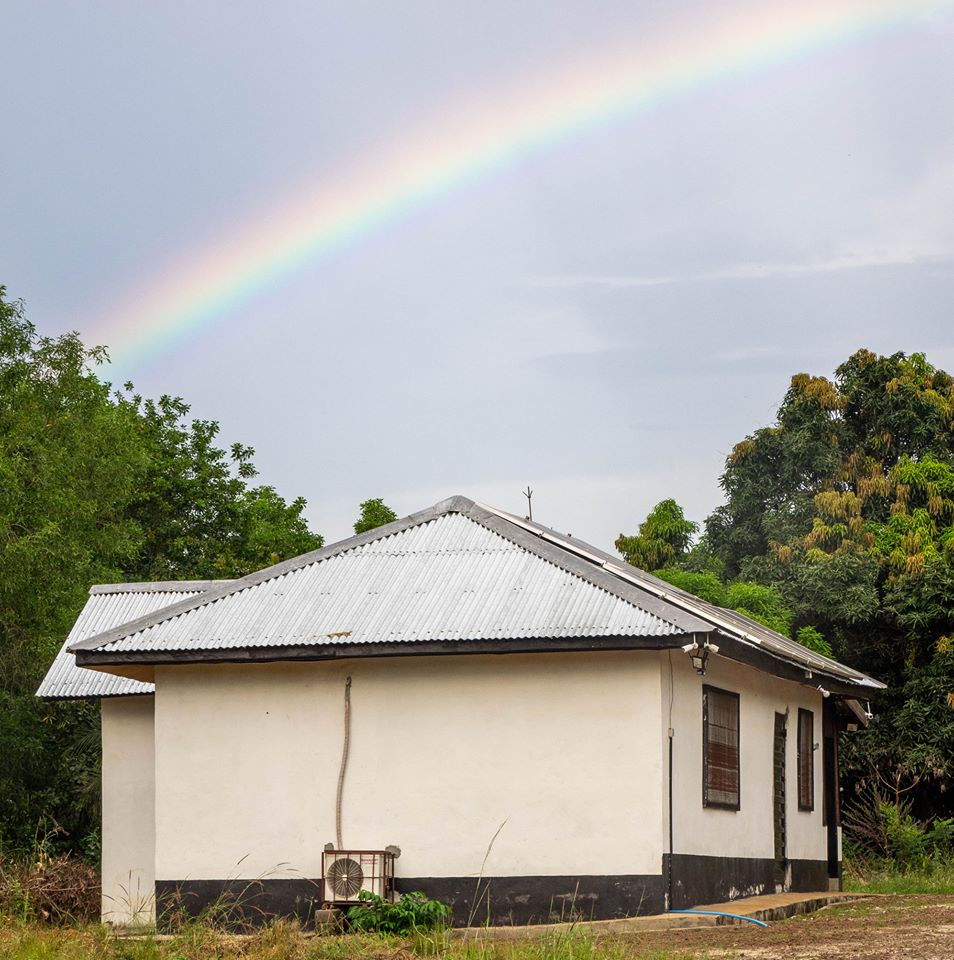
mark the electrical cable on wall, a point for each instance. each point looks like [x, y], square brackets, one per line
[669, 732]
[345, 747]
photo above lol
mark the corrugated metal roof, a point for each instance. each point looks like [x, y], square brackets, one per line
[455, 571]
[727, 621]
[448, 578]
[108, 606]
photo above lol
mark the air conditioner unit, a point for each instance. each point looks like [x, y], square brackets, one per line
[347, 872]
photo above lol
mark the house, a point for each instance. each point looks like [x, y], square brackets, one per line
[541, 729]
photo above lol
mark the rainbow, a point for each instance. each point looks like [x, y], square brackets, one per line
[437, 161]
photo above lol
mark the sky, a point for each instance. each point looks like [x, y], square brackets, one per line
[599, 307]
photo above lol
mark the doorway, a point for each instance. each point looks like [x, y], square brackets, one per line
[831, 811]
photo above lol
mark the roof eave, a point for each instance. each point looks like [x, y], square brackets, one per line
[400, 648]
[729, 647]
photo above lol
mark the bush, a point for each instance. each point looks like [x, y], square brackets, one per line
[413, 912]
[885, 833]
[49, 889]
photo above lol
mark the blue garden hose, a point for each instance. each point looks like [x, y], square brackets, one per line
[719, 913]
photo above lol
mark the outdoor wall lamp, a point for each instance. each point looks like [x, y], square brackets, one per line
[699, 654]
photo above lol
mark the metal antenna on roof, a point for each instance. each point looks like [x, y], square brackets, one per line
[528, 493]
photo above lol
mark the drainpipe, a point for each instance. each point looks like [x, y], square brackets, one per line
[669, 861]
[670, 733]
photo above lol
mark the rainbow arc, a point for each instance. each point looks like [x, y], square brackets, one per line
[436, 162]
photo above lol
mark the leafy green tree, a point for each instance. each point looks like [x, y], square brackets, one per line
[664, 537]
[845, 506]
[705, 585]
[69, 460]
[374, 513]
[859, 464]
[761, 603]
[814, 640]
[95, 487]
[754, 600]
[909, 744]
[199, 517]
[663, 545]
[270, 530]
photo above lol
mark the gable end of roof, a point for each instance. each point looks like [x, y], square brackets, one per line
[109, 604]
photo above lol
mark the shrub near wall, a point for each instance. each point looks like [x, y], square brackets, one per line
[48, 889]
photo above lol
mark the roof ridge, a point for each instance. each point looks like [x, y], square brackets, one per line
[156, 586]
[454, 504]
[571, 557]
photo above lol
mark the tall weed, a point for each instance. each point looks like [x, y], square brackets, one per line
[885, 834]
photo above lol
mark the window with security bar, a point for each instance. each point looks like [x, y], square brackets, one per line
[720, 748]
[806, 760]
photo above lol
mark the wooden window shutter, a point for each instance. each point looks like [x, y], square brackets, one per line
[720, 748]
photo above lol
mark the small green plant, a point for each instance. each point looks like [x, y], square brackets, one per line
[884, 833]
[412, 913]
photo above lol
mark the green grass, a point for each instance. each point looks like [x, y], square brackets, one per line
[285, 941]
[933, 878]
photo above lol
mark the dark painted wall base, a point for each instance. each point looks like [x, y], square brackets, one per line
[522, 900]
[495, 900]
[698, 880]
[505, 900]
[237, 902]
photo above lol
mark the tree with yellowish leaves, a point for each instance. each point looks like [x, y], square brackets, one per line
[845, 506]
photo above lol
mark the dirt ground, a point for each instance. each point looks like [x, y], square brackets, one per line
[879, 928]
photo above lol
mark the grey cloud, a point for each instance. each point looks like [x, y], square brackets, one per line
[687, 259]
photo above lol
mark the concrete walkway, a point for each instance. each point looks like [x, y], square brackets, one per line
[771, 907]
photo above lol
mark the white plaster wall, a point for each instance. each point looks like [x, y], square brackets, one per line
[559, 749]
[129, 839]
[748, 832]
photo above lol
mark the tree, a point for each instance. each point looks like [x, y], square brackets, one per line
[860, 463]
[69, 461]
[663, 546]
[374, 513]
[755, 601]
[664, 537]
[97, 486]
[845, 506]
[199, 517]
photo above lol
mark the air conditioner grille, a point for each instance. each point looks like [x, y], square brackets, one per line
[345, 876]
[348, 873]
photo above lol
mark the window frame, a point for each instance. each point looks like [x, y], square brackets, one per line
[707, 689]
[806, 798]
